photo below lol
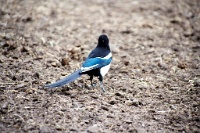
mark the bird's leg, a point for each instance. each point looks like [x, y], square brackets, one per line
[101, 83]
[91, 78]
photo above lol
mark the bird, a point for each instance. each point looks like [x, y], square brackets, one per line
[97, 64]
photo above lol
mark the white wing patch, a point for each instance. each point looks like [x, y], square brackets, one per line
[85, 69]
[108, 56]
[104, 70]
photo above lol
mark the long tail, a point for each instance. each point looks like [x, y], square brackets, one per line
[65, 80]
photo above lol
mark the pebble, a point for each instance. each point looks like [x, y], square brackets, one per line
[65, 61]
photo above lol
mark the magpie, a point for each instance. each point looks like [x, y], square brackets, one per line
[96, 64]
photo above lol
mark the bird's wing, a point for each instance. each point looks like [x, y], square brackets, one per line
[94, 63]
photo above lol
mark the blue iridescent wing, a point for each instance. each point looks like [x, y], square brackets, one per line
[94, 63]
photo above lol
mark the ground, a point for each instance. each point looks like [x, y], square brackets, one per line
[153, 84]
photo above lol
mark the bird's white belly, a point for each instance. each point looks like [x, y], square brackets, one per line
[104, 70]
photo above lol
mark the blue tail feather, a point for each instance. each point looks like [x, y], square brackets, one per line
[65, 80]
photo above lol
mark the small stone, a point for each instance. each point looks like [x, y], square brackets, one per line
[94, 96]
[4, 105]
[126, 63]
[25, 49]
[133, 102]
[43, 40]
[128, 121]
[36, 75]
[112, 102]
[75, 50]
[188, 33]
[29, 91]
[182, 65]
[104, 108]
[54, 64]
[65, 61]
[118, 94]
[176, 20]
[110, 116]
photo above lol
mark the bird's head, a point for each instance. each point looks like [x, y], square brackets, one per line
[103, 40]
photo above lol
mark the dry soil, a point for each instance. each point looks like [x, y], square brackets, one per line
[153, 84]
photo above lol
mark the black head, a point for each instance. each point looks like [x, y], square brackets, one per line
[103, 40]
[102, 49]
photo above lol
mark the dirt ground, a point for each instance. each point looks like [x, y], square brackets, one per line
[153, 84]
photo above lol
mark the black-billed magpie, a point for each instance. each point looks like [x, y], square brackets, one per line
[96, 64]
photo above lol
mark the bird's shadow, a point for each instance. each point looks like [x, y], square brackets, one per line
[71, 90]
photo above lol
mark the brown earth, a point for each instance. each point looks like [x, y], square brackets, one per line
[153, 84]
